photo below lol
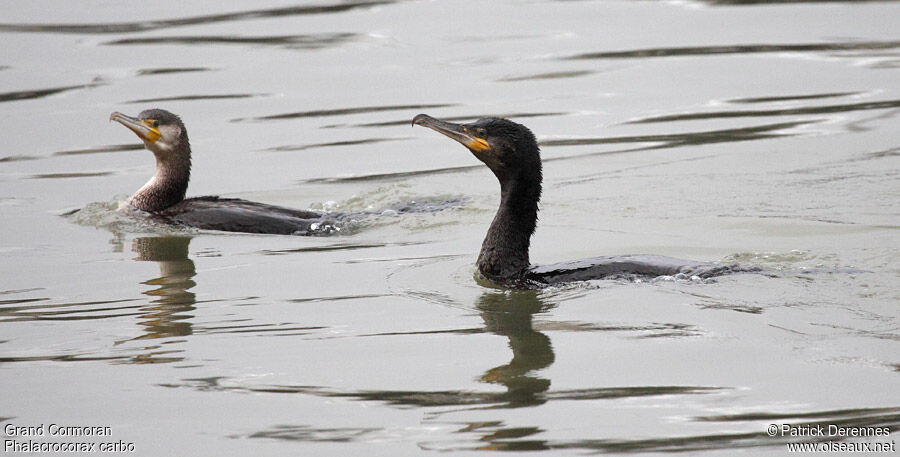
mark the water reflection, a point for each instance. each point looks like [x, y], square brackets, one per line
[167, 315]
[510, 315]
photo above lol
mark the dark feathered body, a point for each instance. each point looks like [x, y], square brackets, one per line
[236, 215]
[165, 135]
[625, 267]
[504, 252]
[511, 152]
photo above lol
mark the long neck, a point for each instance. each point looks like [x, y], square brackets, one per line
[504, 253]
[167, 186]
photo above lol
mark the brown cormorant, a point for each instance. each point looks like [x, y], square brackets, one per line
[511, 152]
[166, 137]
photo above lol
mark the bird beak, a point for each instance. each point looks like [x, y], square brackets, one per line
[142, 128]
[456, 131]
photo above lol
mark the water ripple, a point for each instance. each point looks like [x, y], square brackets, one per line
[736, 49]
[192, 98]
[551, 75]
[17, 158]
[307, 433]
[496, 437]
[311, 41]
[449, 118]
[337, 298]
[405, 398]
[791, 98]
[268, 329]
[143, 26]
[778, 2]
[101, 149]
[64, 311]
[20, 291]
[663, 141]
[21, 300]
[390, 176]
[340, 112]
[40, 93]
[785, 416]
[61, 358]
[304, 147]
[828, 109]
[335, 247]
[166, 71]
[86, 174]
[691, 138]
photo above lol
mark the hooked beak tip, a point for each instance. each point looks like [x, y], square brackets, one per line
[116, 116]
[420, 119]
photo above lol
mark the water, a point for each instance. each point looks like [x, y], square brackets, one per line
[752, 132]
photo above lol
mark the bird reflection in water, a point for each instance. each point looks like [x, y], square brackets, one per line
[510, 314]
[167, 314]
[505, 313]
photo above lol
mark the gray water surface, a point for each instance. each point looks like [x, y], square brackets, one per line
[761, 133]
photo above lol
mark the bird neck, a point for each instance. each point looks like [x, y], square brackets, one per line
[504, 253]
[168, 185]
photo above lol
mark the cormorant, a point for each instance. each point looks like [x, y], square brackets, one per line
[511, 152]
[165, 135]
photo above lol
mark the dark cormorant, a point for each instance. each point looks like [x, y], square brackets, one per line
[511, 152]
[166, 137]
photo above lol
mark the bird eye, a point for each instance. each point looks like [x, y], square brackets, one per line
[481, 133]
[155, 123]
